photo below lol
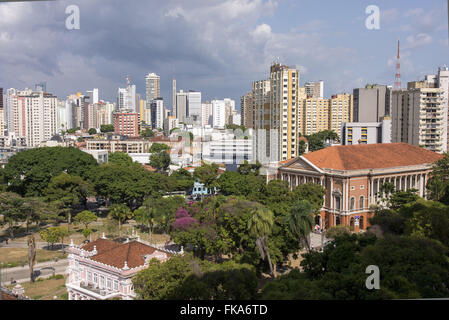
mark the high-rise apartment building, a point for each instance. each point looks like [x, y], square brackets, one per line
[8, 120]
[2, 114]
[126, 97]
[439, 80]
[157, 113]
[182, 106]
[247, 110]
[153, 87]
[173, 107]
[218, 114]
[206, 114]
[261, 117]
[319, 114]
[194, 105]
[104, 113]
[126, 124]
[419, 117]
[371, 103]
[170, 123]
[229, 110]
[284, 111]
[340, 111]
[34, 116]
[314, 115]
[1, 99]
[314, 89]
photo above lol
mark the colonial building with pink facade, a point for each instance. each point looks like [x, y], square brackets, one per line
[103, 269]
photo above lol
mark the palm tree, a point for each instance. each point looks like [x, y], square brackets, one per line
[259, 226]
[31, 255]
[300, 220]
[121, 213]
[146, 215]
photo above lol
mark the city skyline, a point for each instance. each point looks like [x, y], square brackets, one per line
[191, 44]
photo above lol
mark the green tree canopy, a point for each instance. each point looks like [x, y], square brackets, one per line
[85, 217]
[121, 213]
[300, 220]
[207, 174]
[120, 158]
[29, 172]
[187, 278]
[107, 128]
[160, 161]
[158, 147]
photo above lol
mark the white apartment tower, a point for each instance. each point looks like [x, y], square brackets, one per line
[34, 116]
[194, 105]
[218, 114]
[419, 117]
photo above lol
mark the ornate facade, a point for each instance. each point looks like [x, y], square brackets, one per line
[353, 177]
[103, 269]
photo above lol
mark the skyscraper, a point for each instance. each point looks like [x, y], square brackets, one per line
[181, 106]
[194, 105]
[34, 116]
[1, 98]
[247, 110]
[153, 87]
[419, 116]
[157, 113]
[206, 113]
[284, 111]
[126, 97]
[174, 97]
[218, 114]
[2, 114]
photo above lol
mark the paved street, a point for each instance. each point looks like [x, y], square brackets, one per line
[45, 269]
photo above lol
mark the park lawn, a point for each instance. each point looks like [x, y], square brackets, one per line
[46, 289]
[14, 256]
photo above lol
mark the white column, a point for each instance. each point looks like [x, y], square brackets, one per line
[331, 195]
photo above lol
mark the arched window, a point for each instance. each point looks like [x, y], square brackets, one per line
[352, 203]
[337, 203]
[362, 203]
[361, 226]
[351, 223]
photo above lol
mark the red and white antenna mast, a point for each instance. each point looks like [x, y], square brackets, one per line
[398, 82]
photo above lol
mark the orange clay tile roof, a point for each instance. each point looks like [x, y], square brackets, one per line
[371, 156]
[115, 254]
[101, 245]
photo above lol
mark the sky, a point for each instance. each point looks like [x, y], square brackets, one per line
[218, 47]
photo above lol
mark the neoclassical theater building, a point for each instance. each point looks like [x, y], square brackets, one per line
[353, 175]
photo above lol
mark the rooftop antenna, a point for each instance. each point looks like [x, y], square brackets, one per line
[398, 82]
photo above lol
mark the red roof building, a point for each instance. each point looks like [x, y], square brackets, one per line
[103, 269]
[354, 174]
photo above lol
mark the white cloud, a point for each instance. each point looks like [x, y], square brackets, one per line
[262, 32]
[414, 41]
